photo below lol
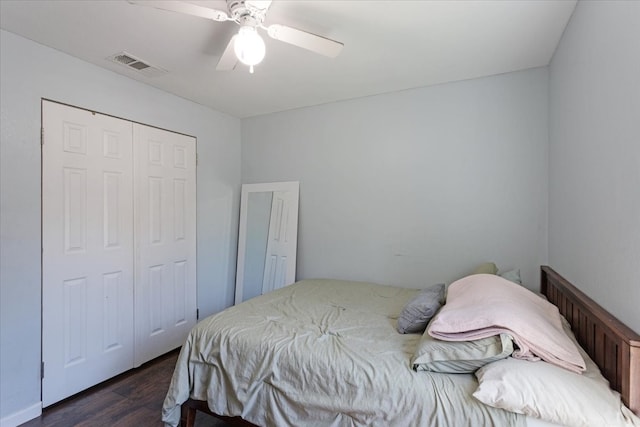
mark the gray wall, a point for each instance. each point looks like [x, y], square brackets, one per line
[594, 199]
[30, 71]
[414, 187]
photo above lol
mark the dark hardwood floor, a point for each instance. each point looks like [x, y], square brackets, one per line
[133, 399]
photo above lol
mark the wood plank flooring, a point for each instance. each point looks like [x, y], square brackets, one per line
[133, 399]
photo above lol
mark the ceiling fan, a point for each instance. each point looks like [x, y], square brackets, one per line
[247, 46]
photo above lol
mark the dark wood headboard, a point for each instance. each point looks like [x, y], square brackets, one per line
[611, 344]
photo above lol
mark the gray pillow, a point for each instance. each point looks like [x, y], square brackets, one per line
[420, 309]
[513, 275]
[459, 357]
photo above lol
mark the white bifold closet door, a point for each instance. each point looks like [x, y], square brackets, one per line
[165, 265]
[87, 249]
[118, 244]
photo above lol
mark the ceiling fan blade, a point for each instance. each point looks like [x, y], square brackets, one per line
[184, 7]
[228, 60]
[305, 40]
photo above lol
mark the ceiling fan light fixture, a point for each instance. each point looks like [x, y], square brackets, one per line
[249, 46]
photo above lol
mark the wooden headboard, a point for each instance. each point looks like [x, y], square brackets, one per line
[611, 344]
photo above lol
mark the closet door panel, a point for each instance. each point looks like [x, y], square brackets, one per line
[87, 249]
[165, 194]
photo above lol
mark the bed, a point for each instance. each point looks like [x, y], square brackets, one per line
[262, 378]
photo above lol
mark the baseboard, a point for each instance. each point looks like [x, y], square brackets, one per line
[22, 416]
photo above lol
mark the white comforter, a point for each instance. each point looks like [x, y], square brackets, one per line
[321, 353]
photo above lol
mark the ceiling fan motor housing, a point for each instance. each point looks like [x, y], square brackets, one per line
[245, 14]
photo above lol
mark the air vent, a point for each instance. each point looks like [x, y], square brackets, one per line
[140, 66]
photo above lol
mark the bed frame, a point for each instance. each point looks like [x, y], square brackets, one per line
[612, 345]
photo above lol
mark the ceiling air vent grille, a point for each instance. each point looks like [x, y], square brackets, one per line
[130, 61]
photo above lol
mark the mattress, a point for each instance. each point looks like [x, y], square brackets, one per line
[321, 353]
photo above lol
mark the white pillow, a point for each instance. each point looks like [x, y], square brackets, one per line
[545, 391]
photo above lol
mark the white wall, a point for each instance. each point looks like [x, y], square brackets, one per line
[415, 187]
[594, 203]
[29, 72]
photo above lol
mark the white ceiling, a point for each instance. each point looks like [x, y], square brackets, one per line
[388, 45]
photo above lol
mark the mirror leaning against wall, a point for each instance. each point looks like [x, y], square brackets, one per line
[267, 241]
